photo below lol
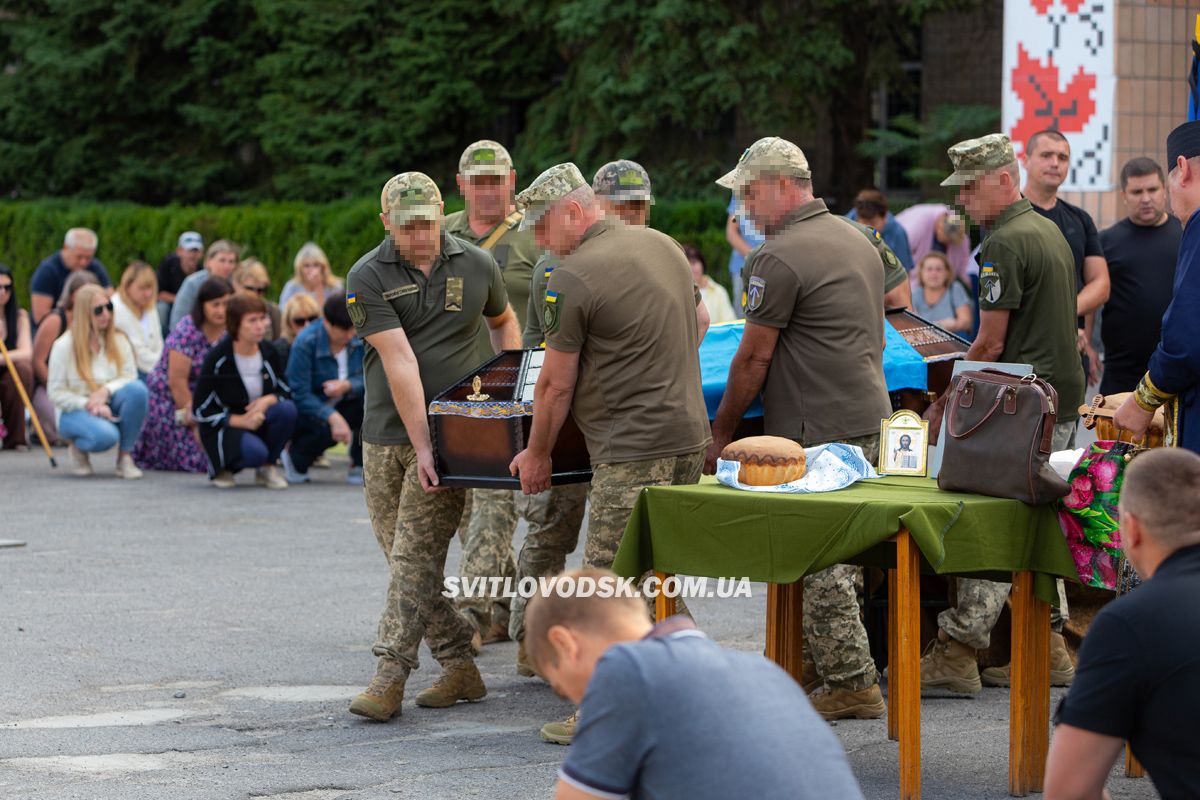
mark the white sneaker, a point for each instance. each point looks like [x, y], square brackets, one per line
[83, 464]
[224, 480]
[271, 477]
[290, 472]
[126, 468]
[322, 462]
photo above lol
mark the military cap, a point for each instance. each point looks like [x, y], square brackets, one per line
[620, 181]
[485, 157]
[768, 156]
[974, 157]
[409, 196]
[551, 186]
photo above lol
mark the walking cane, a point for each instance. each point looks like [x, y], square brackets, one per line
[37, 425]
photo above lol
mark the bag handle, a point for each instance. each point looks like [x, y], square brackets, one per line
[954, 409]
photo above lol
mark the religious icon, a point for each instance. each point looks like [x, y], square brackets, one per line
[903, 440]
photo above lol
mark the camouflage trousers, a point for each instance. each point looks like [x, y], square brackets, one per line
[486, 531]
[414, 531]
[979, 602]
[554, 519]
[834, 636]
[615, 488]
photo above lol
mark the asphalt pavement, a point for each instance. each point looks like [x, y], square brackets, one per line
[164, 639]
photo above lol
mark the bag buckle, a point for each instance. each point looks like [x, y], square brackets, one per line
[966, 395]
[1010, 400]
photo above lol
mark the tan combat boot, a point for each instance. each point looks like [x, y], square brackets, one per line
[382, 698]
[949, 664]
[459, 682]
[524, 666]
[496, 632]
[833, 702]
[560, 732]
[810, 679]
[1062, 669]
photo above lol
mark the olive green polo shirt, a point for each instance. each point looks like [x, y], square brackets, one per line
[819, 281]
[515, 253]
[625, 301]
[441, 315]
[1027, 269]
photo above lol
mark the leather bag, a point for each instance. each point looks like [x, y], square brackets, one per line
[1000, 431]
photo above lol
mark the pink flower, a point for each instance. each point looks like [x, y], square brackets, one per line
[1082, 554]
[1104, 471]
[1081, 493]
[1108, 571]
[1071, 527]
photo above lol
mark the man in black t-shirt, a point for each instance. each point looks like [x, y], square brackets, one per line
[1047, 160]
[172, 271]
[1141, 251]
[1138, 678]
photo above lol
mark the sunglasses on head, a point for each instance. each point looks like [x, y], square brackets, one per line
[303, 320]
[98, 310]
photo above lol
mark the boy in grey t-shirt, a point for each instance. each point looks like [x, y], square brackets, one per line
[665, 712]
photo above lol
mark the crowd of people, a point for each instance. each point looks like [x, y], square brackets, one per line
[234, 382]
[188, 367]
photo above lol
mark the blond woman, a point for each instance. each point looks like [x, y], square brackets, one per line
[313, 277]
[135, 313]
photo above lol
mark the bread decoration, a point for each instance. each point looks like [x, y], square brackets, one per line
[766, 460]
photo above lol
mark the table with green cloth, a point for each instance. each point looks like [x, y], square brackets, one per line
[904, 524]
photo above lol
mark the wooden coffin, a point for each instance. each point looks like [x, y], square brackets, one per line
[939, 347]
[480, 423]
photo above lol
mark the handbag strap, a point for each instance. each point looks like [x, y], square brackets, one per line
[977, 425]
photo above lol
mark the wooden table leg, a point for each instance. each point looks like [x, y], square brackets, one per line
[1133, 767]
[785, 627]
[893, 655]
[663, 606]
[1029, 701]
[905, 671]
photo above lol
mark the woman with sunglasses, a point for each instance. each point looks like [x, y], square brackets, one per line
[312, 277]
[250, 279]
[298, 313]
[52, 327]
[93, 382]
[15, 331]
[169, 441]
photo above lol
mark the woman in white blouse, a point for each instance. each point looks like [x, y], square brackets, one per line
[135, 313]
[93, 383]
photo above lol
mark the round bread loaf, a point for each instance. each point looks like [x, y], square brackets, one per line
[766, 460]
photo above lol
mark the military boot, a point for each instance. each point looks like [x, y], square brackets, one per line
[524, 666]
[496, 632]
[810, 679]
[949, 664]
[1062, 669]
[833, 702]
[459, 682]
[382, 698]
[560, 732]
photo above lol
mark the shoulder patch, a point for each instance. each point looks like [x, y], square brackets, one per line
[550, 313]
[755, 292]
[358, 312]
[990, 288]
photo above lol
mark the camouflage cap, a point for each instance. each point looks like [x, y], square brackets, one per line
[621, 181]
[974, 157]
[485, 157]
[768, 156]
[409, 196]
[552, 185]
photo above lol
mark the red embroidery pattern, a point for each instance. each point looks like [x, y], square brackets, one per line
[1043, 6]
[1044, 105]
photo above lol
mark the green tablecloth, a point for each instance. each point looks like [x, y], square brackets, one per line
[715, 531]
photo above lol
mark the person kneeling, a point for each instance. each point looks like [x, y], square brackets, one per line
[1139, 668]
[325, 371]
[666, 712]
[241, 403]
[93, 383]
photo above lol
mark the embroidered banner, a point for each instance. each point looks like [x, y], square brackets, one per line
[1060, 73]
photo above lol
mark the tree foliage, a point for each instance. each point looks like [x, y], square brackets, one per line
[229, 101]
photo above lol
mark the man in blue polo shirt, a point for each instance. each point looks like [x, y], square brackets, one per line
[1138, 678]
[78, 252]
[665, 712]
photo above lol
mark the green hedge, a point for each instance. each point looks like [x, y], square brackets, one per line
[29, 231]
